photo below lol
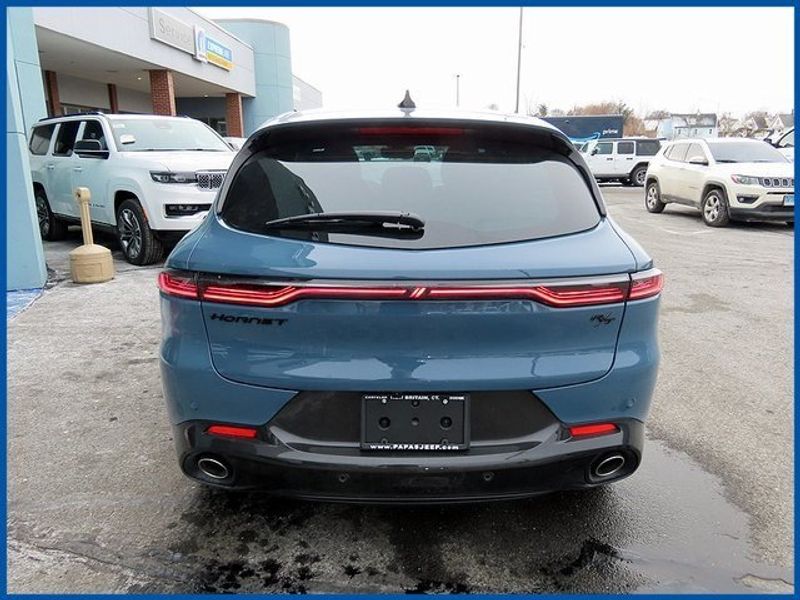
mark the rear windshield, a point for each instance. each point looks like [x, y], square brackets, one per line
[470, 186]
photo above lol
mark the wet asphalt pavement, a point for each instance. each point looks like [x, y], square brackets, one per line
[97, 503]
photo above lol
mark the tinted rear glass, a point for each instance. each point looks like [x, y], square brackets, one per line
[471, 187]
[647, 147]
[40, 140]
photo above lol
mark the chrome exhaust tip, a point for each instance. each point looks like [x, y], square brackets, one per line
[609, 466]
[213, 468]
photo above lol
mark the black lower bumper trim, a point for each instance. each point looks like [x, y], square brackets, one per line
[471, 476]
[767, 213]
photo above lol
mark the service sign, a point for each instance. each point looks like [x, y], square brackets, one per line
[218, 55]
[169, 30]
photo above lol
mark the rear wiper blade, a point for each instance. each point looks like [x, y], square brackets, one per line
[380, 220]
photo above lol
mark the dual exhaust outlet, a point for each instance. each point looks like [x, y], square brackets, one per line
[608, 465]
[213, 468]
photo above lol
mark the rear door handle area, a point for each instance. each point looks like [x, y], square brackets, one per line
[50, 167]
[78, 169]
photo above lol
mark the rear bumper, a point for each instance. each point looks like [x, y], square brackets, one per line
[350, 475]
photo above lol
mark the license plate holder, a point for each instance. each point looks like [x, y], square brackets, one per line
[415, 422]
[788, 200]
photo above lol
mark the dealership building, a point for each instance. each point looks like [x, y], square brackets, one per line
[232, 74]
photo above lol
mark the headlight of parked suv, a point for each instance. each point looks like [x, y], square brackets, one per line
[746, 180]
[169, 177]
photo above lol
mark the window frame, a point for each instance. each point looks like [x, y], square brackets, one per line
[50, 142]
[676, 147]
[703, 152]
[632, 146]
[597, 152]
[61, 125]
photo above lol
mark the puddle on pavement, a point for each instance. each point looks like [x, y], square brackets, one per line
[666, 529]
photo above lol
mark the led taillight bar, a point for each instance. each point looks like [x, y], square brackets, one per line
[558, 296]
[646, 285]
[175, 285]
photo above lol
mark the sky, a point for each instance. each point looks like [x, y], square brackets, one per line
[679, 59]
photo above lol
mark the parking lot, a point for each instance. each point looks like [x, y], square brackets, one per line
[97, 503]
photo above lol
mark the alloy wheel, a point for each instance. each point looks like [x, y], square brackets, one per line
[130, 233]
[43, 215]
[711, 208]
[640, 176]
[652, 196]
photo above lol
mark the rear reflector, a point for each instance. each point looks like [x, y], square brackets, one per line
[567, 295]
[593, 429]
[230, 431]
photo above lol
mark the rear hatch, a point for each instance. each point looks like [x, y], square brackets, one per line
[517, 281]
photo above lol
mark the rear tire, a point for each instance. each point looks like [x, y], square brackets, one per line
[139, 244]
[51, 227]
[715, 209]
[652, 198]
[638, 176]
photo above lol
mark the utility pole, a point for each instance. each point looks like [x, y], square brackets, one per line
[519, 59]
[458, 90]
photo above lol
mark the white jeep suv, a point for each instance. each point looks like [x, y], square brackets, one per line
[726, 178]
[152, 179]
[623, 159]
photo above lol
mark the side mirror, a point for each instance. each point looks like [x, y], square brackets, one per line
[698, 160]
[90, 149]
[594, 151]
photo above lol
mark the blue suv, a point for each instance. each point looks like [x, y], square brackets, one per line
[411, 306]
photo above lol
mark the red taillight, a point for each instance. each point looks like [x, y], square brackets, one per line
[552, 296]
[410, 130]
[646, 286]
[278, 296]
[176, 285]
[556, 295]
[231, 431]
[593, 429]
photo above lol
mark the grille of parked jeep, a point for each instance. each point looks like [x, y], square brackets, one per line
[210, 180]
[778, 182]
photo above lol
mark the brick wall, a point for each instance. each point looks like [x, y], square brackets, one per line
[54, 102]
[113, 102]
[162, 92]
[233, 115]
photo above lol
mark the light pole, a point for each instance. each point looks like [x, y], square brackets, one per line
[519, 59]
[458, 90]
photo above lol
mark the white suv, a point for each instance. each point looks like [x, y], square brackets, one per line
[726, 178]
[152, 179]
[623, 159]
